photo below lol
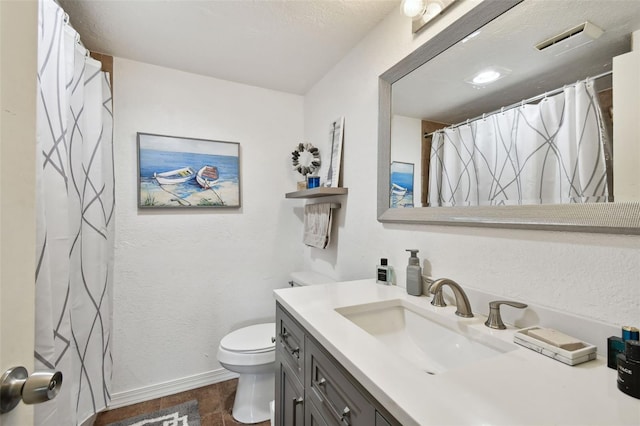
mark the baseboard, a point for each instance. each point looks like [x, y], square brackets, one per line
[134, 396]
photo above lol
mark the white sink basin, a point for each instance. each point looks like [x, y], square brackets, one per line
[432, 342]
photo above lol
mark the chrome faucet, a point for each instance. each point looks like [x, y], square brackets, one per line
[462, 302]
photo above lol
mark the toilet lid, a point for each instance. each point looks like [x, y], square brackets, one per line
[254, 338]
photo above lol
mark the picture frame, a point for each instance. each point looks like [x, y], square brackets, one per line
[401, 184]
[336, 136]
[185, 173]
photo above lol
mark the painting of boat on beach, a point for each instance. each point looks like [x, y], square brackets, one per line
[185, 172]
[401, 188]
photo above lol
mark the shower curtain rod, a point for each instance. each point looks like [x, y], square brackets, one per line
[517, 104]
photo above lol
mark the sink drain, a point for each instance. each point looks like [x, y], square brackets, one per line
[430, 372]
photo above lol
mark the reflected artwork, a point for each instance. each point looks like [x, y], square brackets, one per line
[401, 189]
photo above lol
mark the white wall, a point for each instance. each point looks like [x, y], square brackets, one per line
[183, 279]
[626, 132]
[407, 148]
[590, 275]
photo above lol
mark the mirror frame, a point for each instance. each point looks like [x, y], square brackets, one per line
[611, 218]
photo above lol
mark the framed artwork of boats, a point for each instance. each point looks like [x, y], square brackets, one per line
[177, 172]
[401, 188]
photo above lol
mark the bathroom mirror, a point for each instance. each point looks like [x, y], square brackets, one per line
[423, 74]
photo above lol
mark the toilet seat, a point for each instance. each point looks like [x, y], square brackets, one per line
[254, 339]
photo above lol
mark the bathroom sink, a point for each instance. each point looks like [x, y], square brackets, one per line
[430, 341]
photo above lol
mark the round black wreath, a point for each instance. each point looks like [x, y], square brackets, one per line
[305, 169]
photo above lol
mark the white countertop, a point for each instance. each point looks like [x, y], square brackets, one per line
[520, 387]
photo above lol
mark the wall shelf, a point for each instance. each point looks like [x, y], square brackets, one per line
[316, 192]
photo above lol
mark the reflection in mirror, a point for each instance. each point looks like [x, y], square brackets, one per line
[621, 216]
[520, 111]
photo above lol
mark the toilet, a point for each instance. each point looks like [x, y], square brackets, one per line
[251, 352]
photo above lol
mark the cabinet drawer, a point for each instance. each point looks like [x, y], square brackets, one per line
[337, 399]
[290, 342]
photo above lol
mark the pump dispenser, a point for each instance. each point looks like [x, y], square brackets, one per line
[414, 274]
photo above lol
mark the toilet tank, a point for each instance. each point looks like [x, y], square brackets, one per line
[304, 278]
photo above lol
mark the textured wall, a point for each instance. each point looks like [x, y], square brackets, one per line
[590, 275]
[183, 279]
[406, 148]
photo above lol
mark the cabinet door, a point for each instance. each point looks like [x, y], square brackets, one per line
[289, 397]
[336, 398]
[313, 417]
[381, 421]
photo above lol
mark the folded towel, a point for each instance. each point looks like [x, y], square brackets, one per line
[317, 225]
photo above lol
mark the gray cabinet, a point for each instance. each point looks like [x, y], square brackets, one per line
[313, 389]
[290, 352]
[332, 392]
[312, 416]
[289, 397]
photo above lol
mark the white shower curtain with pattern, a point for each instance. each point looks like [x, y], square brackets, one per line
[550, 152]
[75, 222]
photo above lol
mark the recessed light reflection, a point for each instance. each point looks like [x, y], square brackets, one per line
[470, 36]
[485, 77]
[488, 76]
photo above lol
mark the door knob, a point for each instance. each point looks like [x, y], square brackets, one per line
[16, 384]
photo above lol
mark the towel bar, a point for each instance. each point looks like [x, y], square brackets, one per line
[332, 205]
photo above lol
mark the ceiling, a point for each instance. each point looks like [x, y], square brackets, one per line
[285, 45]
[437, 90]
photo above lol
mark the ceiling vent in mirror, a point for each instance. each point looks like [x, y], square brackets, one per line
[571, 38]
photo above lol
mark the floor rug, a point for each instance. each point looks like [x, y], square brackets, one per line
[185, 414]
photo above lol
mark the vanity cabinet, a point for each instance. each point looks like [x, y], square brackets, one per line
[332, 392]
[290, 351]
[291, 397]
[312, 388]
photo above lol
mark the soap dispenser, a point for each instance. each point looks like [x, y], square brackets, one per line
[414, 274]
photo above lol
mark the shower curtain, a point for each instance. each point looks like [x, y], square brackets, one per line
[550, 152]
[74, 229]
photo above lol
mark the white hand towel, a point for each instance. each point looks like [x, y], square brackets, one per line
[317, 225]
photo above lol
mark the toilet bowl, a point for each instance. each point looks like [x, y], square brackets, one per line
[250, 352]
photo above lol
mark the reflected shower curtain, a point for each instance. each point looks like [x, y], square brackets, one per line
[75, 207]
[551, 152]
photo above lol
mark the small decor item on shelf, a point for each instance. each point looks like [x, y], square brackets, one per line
[336, 134]
[313, 182]
[306, 160]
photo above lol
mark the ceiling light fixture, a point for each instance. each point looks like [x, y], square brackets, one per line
[487, 76]
[413, 8]
[423, 11]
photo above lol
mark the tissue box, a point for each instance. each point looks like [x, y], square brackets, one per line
[582, 351]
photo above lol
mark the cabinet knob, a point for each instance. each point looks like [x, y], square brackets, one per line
[296, 401]
[294, 351]
[346, 416]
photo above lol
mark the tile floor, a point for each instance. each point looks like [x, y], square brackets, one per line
[214, 403]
